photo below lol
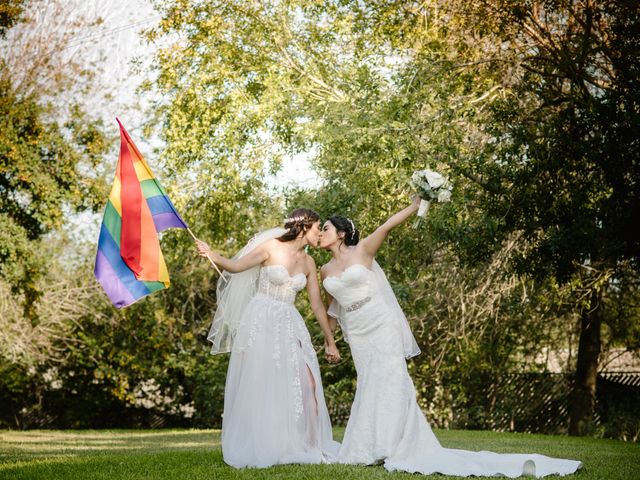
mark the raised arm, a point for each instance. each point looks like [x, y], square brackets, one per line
[372, 243]
[253, 258]
[320, 312]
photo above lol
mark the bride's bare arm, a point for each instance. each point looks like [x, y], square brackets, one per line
[328, 299]
[319, 310]
[252, 259]
[372, 243]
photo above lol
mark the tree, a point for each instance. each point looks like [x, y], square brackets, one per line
[10, 14]
[528, 107]
[559, 157]
[47, 153]
[374, 89]
[232, 104]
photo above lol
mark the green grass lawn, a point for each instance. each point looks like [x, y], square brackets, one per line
[196, 454]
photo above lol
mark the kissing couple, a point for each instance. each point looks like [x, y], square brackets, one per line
[274, 406]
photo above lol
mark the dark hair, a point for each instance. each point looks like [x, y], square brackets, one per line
[300, 220]
[343, 224]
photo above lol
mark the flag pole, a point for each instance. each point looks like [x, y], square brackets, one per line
[212, 262]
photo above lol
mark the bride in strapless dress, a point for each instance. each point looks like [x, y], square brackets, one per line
[386, 423]
[274, 407]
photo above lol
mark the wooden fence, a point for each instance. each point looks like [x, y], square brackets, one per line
[539, 403]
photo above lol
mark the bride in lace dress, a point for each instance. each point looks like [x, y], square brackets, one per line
[386, 423]
[274, 407]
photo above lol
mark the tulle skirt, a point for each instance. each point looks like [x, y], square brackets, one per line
[274, 408]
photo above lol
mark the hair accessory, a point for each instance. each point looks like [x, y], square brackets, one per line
[353, 228]
[294, 220]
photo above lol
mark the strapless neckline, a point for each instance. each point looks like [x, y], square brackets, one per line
[346, 269]
[285, 269]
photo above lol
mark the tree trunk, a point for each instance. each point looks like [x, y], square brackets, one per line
[583, 397]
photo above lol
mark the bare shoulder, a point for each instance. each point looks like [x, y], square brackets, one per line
[310, 265]
[265, 250]
[326, 268]
[270, 244]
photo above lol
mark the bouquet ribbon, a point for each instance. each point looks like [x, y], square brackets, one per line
[423, 208]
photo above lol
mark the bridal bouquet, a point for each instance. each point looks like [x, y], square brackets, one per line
[430, 186]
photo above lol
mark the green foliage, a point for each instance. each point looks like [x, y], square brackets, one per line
[142, 366]
[542, 160]
[10, 14]
[40, 177]
[557, 154]
[560, 148]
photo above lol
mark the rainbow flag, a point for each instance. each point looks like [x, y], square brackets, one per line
[129, 262]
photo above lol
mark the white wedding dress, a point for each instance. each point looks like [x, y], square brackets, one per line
[386, 423]
[271, 415]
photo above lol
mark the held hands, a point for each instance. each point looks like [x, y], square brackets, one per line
[331, 352]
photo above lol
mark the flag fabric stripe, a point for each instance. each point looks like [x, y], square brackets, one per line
[131, 198]
[117, 292]
[154, 286]
[114, 196]
[150, 258]
[111, 252]
[159, 205]
[129, 262]
[166, 220]
[163, 273]
[163, 218]
[142, 172]
[151, 189]
[112, 222]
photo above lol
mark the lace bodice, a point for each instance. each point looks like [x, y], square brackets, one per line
[276, 282]
[351, 286]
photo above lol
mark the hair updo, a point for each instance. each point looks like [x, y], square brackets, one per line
[343, 224]
[300, 220]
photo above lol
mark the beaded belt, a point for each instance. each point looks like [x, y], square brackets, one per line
[358, 304]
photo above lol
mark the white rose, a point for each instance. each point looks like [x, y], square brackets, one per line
[444, 196]
[434, 178]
